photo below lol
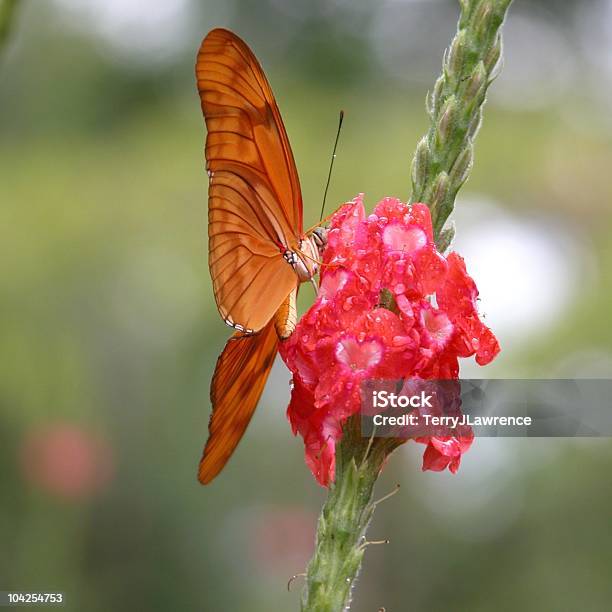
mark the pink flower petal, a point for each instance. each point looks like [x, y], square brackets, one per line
[349, 335]
[359, 356]
[400, 239]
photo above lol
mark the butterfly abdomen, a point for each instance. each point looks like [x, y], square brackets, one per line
[286, 316]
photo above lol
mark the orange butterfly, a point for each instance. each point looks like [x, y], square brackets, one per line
[258, 251]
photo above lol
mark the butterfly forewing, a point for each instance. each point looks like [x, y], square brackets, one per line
[255, 206]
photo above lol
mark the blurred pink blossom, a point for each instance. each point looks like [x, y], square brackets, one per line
[66, 460]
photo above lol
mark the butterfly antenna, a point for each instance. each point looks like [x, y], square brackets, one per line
[331, 164]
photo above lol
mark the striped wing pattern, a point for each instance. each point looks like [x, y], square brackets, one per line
[255, 206]
[254, 215]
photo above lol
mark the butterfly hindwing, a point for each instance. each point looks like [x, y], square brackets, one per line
[238, 382]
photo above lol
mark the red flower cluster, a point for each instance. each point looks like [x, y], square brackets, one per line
[390, 306]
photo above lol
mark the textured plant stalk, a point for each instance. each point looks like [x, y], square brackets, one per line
[7, 16]
[442, 162]
[340, 541]
[444, 156]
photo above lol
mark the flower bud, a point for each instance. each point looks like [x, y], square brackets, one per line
[447, 121]
[446, 237]
[482, 20]
[429, 104]
[456, 55]
[440, 191]
[436, 97]
[420, 164]
[477, 82]
[493, 55]
[475, 125]
[462, 166]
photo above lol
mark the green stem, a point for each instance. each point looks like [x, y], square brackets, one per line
[340, 542]
[444, 156]
[442, 162]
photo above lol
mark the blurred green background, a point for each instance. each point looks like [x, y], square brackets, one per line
[109, 332]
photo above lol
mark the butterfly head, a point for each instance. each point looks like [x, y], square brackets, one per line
[319, 237]
[305, 259]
